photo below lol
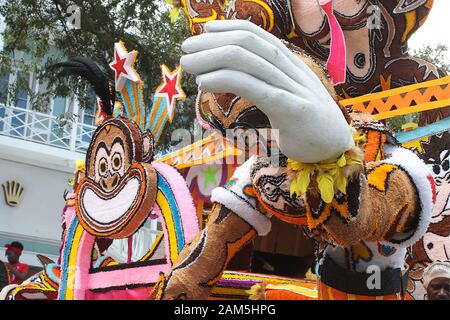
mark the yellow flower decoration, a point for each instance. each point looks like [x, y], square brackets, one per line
[329, 174]
[80, 166]
[256, 292]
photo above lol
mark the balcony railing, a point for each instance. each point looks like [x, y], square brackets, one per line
[44, 128]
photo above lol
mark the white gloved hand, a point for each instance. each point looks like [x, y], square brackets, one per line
[236, 56]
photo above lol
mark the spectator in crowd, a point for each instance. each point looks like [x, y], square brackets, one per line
[19, 271]
[436, 280]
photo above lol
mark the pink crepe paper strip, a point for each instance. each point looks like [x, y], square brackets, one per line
[336, 63]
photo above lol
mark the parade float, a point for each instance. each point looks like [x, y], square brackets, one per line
[327, 74]
[121, 175]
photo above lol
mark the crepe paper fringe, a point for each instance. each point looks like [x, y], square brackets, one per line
[329, 175]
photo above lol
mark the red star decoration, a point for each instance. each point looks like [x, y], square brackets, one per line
[123, 66]
[118, 65]
[170, 88]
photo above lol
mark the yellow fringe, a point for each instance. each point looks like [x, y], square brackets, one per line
[310, 275]
[329, 175]
[257, 292]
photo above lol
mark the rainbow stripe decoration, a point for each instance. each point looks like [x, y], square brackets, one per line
[174, 205]
[171, 214]
[133, 102]
[69, 261]
[158, 117]
[74, 262]
[65, 259]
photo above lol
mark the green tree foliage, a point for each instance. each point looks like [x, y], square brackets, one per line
[38, 34]
[437, 55]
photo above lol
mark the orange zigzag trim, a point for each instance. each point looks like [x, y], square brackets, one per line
[417, 97]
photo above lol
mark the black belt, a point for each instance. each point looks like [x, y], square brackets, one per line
[392, 281]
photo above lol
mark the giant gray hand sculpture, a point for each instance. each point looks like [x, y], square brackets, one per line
[236, 56]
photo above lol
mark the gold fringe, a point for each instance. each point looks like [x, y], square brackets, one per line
[257, 292]
[327, 176]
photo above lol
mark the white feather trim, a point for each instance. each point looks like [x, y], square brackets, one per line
[420, 174]
[259, 221]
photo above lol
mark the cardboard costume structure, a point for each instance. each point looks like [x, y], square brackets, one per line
[344, 176]
[338, 172]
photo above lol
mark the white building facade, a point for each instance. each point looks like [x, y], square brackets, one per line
[38, 151]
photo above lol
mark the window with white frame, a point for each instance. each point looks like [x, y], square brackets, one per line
[86, 122]
[62, 123]
[18, 121]
[4, 85]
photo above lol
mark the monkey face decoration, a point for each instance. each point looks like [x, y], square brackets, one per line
[119, 190]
